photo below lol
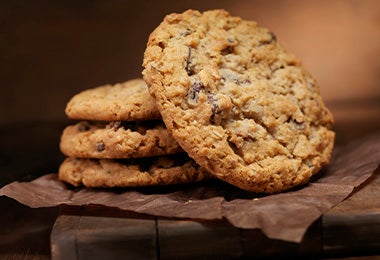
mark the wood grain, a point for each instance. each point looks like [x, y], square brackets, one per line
[354, 224]
[86, 237]
[185, 239]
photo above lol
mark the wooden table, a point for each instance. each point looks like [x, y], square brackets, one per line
[351, 229]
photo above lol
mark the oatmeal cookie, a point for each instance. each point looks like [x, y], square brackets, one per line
[125, 101]
[106, 173]
[117, 139]
[237, 102]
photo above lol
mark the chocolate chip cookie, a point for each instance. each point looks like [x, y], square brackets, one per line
[125, 101]
[119, 139]
[237, 102]
[105, 173]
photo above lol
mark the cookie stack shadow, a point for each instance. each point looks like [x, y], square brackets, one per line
[120, 140]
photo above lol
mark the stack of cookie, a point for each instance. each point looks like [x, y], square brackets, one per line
[120, 140]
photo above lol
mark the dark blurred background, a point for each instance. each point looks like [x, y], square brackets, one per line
[50, 50]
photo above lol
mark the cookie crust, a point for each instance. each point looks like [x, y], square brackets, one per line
[237, 102]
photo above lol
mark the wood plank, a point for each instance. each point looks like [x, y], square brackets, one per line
[258, 246]
[353, 226]
[62, 239]
[87, 237]
[186, 239]
[99, 237]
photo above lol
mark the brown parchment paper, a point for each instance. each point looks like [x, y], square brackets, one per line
[284, 216]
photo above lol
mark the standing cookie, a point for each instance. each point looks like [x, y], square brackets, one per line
[125, 101]
[237, 102]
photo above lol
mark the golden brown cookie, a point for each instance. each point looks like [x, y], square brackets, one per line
[237, 102]
[104, 173]
[117, 140]
[125, 101]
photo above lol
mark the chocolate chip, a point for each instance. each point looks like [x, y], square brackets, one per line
[100, 146]
[162, 45]
[244, 82]
[194, 90]
[214, 105]
[214, 108]
[189, 69]
[212, 100]
[271, 40]
[228, 50]
[234, 147]
[273, 37]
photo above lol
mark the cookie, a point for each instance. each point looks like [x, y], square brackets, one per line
[237, 102]
[125, 101]
[117, 140]
[106, 173]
